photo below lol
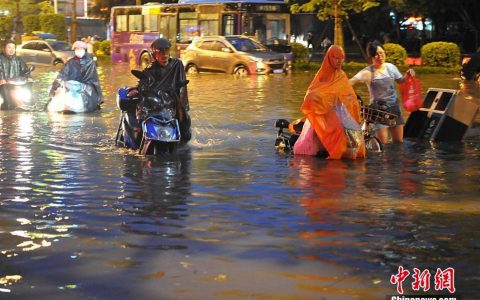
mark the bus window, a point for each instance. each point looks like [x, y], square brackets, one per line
[208, 27]
[167, 28]
[187, 27]
[150, 23]
[163, 29]
[172, 32]
[229, 24]
[135, 22]
[188, 30]
[121, 23]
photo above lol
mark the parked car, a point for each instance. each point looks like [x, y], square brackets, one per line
[45, 52]
[232, 54]
[45, 35]
[281, 46]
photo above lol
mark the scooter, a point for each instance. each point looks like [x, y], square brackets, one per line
[73, 97]
[289, 132]
[16, 93]
[149, 121]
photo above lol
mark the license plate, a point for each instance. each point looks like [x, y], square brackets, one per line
[277, 71]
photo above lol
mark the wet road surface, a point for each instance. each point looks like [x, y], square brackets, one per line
[226, 218]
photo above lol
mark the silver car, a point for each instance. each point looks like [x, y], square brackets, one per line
[232, 54]
[45, 52]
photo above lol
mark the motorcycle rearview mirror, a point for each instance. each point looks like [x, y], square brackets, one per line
[281, 123]
[139, 74]
[30, 69]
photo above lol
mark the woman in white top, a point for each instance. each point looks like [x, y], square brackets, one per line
[380, 79]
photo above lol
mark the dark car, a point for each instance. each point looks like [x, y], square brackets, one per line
[281, 46]
[43, 52]
[232, 54]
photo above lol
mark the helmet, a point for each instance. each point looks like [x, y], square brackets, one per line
[79, 44]
[160, 43]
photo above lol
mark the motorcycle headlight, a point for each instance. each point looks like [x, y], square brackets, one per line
[164, 134]
[22, 95]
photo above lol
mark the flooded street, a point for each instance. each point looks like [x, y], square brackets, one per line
[228, 217]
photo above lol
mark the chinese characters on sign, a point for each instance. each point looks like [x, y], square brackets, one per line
[444, 279]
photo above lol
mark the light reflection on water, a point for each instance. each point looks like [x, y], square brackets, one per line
[227, 217]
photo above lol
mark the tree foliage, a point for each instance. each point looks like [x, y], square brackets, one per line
[336, 9]
[45, 7]
[31, 23]
[54, 23]
[6, 27]
[440, 54]
[325, 9]
[25, 7]
[445, 13]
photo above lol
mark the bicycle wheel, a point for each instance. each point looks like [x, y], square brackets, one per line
[373, 144]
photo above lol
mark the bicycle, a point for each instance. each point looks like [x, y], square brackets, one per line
[371, 116]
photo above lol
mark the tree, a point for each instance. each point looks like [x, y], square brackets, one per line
[339, 10]
[444, 13]
[6, 27]
[54, 23]
[31, 23]
[45, 7]
[17, 9]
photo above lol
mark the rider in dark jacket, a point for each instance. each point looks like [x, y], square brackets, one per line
[168, 72]
[81, 68]
[11, 65]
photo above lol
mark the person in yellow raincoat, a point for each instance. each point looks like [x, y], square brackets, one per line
[332, 113]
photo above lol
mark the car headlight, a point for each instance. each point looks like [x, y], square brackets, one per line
[256, 59]
[258, 62]
[260, 65]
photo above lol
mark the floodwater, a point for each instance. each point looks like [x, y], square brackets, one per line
[228, 217]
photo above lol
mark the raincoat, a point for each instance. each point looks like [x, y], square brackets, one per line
[167, 77]
[83, 70]
[333, 111]
[12, 67]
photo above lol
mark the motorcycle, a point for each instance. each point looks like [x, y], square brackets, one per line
[16, 93]
[371, 115]
[73, 97]
[149, 121]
